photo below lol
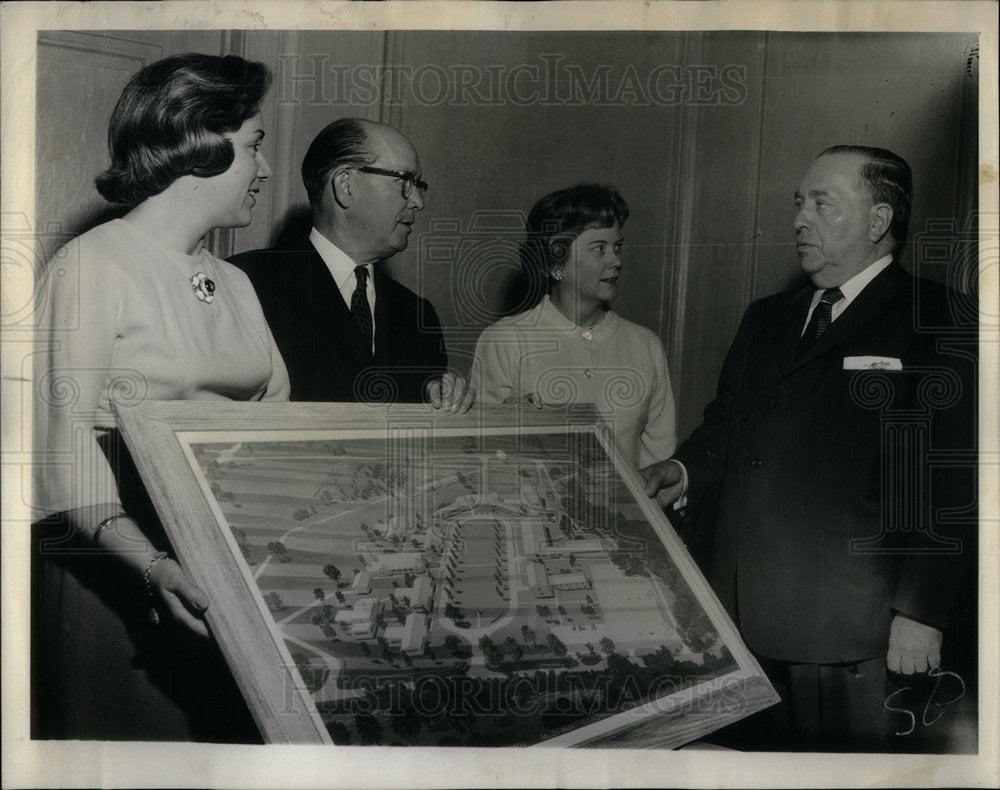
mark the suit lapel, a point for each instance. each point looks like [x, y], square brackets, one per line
[383, 317]
[326, 301]
[878, 297]
[789, 328]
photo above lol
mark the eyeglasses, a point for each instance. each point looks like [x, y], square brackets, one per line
[409, 180]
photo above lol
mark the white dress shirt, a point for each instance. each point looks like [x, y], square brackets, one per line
[851, 289]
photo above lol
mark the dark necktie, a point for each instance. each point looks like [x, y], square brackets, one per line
[360, 308]
[821, 318]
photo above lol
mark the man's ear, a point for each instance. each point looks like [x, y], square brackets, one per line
[342, 187]
[881, 221]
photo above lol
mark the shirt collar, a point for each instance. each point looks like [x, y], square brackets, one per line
[337, 261]
[857, 283]
[551, 317]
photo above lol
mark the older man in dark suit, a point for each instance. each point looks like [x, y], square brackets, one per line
[346, 331]
[814, 454]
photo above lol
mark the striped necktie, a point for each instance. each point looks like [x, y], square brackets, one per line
[821, 318]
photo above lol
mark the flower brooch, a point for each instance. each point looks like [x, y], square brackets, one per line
[204, 288]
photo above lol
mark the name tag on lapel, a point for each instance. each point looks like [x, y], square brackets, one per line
[872, 363]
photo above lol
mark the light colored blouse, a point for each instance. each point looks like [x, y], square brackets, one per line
[121, 321]
[618, 366]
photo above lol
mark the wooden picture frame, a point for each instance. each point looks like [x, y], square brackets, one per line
[490, 521]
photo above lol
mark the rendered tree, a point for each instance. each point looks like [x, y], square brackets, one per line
[619, 666]
[369, 729]
[274, 602]
[406, 723]
[494, 657]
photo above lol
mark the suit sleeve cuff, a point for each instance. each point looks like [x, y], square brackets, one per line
[682, 500]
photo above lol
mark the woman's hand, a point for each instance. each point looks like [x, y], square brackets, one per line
[172, 589]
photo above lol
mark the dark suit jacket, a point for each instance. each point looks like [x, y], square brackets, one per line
[327, 357]
[822, 476]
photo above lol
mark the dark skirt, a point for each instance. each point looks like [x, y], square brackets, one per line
[101, 671]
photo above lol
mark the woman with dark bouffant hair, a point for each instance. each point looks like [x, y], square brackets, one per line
[571, 347]
[138, 309]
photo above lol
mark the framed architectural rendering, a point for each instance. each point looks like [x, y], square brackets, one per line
[393, 575]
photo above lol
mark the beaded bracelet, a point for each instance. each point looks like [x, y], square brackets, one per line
[104, 525]
[153, 615]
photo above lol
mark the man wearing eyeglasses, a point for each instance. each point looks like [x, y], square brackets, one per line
[346, 331]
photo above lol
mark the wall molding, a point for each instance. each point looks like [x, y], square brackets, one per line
[388, 50]
[222, 241]
[104, 44]
[285, 128]
[673, 312]
[752, 231]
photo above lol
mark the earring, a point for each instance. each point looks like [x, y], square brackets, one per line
[557, 274]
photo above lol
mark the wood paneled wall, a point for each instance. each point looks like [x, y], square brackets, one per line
[706, 135]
